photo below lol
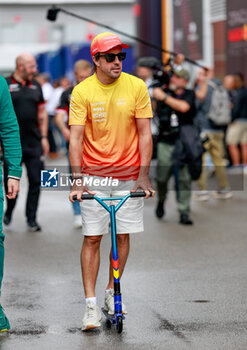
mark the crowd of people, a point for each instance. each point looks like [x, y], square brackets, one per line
[173, 105]
[42, 113]
[104, 124]
[214, 110]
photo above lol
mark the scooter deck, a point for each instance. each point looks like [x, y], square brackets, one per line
[111, 318]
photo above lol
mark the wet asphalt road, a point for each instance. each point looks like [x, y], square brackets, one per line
[184, 287]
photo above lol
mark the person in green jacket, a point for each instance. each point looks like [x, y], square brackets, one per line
[10, 141]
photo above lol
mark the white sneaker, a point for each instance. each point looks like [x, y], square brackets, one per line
[77, 221]
[222, 194]
[202, 196]
[92, 317]
[109, 303]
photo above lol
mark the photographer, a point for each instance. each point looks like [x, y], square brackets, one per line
[175, 108]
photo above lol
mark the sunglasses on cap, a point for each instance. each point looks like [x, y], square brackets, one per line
[110, 57]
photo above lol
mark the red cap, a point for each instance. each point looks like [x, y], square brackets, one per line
[105, 42]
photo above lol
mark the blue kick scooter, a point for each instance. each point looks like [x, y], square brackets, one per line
[118, 317]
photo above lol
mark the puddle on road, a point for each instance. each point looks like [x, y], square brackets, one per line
[168, 326]
[38, 330]
[79, 331]
[234, 326]
[21, 295]
[179, 328]
[74, 330]
[25, 306]
[199, 301]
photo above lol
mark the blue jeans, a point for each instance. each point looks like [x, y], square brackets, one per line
[76, 205]
[76, 208]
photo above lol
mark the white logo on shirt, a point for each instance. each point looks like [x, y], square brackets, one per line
[14, 87]
[121, 102]
[98, 111]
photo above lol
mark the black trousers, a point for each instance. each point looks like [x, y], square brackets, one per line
[33, 165]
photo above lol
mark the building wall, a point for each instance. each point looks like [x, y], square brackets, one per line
[237, 36]
[219, 30]
[188, 29]
[149, 27]
[218, 22]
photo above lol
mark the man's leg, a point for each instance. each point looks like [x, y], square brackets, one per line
[34, 166]
[243, 145]
[123, 252]
[217, 154]
[234, 154]
[244, 153]
[202, 181]
[1, 239]
[164, 172]
[232, 139]
[4, 323]
[90, 261]
[184, 195]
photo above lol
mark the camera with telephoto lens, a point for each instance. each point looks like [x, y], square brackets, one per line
[204, 137]
[161, 75]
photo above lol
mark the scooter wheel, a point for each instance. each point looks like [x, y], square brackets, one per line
[119, 324]
[108, 323]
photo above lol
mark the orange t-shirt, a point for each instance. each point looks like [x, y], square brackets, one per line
[108, 112]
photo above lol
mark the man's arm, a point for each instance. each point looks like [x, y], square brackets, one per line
[43, 126]
[61, 113]
[13, 188]
[176, 104]
[145, 149]
[10, 136]
[75, 159]
[59, 121]
[202, 90]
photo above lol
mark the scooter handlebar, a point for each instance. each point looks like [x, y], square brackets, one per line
[137, 194]
[132, 195]
[84, 196]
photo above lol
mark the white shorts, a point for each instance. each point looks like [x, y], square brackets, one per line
[96, 219]
[236, 133]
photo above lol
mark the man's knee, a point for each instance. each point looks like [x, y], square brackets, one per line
[123, 239]
[92, 241]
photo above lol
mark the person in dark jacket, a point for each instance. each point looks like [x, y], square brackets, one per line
[175, 107]
[32, 118]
